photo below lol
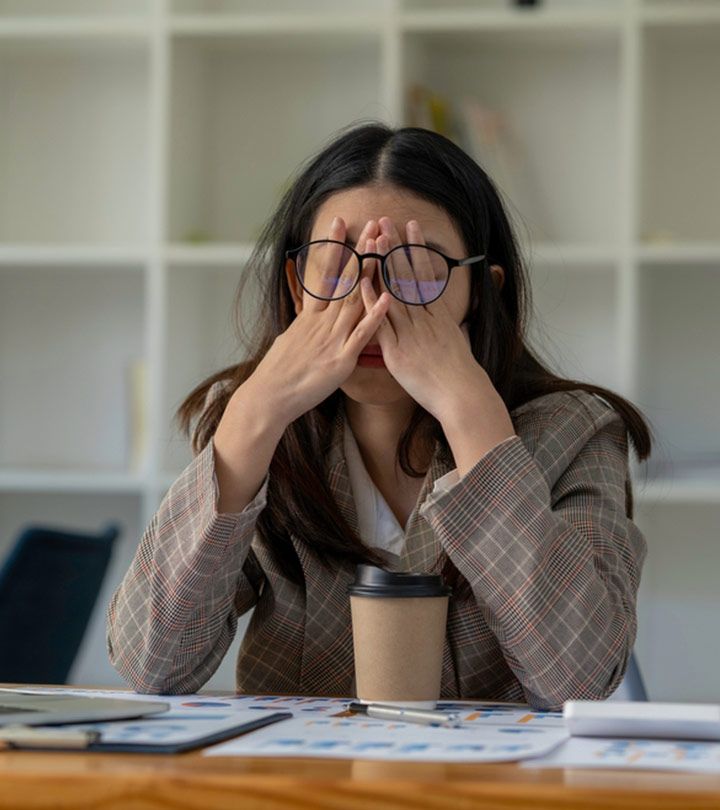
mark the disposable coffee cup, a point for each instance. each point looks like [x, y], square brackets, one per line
[398, 623]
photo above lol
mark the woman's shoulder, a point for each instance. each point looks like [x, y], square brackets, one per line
[558, 425]
[568, 403]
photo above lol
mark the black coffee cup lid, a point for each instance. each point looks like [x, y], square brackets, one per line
[373, 581]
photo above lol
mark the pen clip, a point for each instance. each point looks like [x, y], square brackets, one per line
[356, 707]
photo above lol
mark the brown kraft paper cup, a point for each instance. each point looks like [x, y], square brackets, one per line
[399, 623]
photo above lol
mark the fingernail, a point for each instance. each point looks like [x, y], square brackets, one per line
[335, 222]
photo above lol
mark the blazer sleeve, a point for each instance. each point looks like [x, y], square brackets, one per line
[555, 571]
[174, 615]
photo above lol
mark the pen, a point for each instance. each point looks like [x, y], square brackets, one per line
[427, 717]
[18, 736]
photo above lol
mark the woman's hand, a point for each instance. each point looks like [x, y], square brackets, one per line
[320, 348]
[428, 353]
[423, 347]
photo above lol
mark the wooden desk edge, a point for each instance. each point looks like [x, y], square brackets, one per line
[128, 781]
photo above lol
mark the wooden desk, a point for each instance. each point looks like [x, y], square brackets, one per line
[77, 781]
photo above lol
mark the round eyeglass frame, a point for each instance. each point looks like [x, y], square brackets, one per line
[451, 265]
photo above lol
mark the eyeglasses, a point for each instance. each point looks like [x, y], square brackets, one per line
[414, 274]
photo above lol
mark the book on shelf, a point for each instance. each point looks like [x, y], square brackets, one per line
[430, 110]
[136, 375]
[488, 136]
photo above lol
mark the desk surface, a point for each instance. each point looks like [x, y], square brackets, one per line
[189, 781]
[68, 781]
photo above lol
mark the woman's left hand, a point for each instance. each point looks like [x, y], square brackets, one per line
[428, 353]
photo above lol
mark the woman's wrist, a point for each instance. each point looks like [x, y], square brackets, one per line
[249, 422]
[474, 423]
[244, 443]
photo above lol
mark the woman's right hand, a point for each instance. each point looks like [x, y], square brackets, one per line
[320, 348]
[305, 364]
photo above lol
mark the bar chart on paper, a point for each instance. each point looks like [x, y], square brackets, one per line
[666, 755]
[489, 733]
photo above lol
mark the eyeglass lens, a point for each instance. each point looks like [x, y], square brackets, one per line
[416, 275]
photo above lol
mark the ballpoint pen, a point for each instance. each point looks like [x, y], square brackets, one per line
[18, 736]
[405, 714]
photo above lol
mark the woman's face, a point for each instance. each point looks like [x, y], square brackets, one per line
[356, 207]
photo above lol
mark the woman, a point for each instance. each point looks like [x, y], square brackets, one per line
[391, 413]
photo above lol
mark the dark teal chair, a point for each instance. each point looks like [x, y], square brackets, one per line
[49, 584]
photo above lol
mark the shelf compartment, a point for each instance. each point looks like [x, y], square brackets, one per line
[499, 14]
[99, 257]
[269, 8]
[201, 339]
[573, 327]
[561, 181]
[677, 605]
[680, 253]
[68, 337]
[230, 160]
[59, 29]
[73, 144]
[679, 484]
[572, 256]
[287, 25]
[674, 12]
[209, 255]
[678, 385]
[18, 480]
[69, 8]
[680, 159]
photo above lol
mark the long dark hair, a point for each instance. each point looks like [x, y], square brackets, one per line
[434, 168]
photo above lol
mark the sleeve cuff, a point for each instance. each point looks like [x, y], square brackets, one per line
[191, 507]
[451, 486]
[445, 482]
[208, 475]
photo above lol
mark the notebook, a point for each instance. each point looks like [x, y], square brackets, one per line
[182, 724]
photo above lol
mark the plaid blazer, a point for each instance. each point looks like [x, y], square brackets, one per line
[544, 563]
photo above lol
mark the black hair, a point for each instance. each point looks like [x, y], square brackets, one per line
[436, 169]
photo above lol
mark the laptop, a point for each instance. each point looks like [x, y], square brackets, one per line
[29, 709]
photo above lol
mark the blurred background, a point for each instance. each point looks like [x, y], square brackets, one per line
[144, 142]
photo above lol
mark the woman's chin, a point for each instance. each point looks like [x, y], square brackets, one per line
[373, 386]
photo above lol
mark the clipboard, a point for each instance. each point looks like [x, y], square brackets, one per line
[79, 738]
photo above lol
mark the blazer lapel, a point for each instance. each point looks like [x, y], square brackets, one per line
[337, 472]
[423, 553]
[328, 663]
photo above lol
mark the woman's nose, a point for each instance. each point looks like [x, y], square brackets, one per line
[377, 279]
[374, 270]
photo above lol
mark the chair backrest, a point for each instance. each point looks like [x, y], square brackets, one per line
[634, 680]
[49, 584]
[632, 686]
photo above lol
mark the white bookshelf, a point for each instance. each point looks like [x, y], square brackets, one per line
[144, 142]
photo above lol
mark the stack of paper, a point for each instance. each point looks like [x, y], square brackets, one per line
[322, 727]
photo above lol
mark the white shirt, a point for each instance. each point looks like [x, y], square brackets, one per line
[377, 525]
